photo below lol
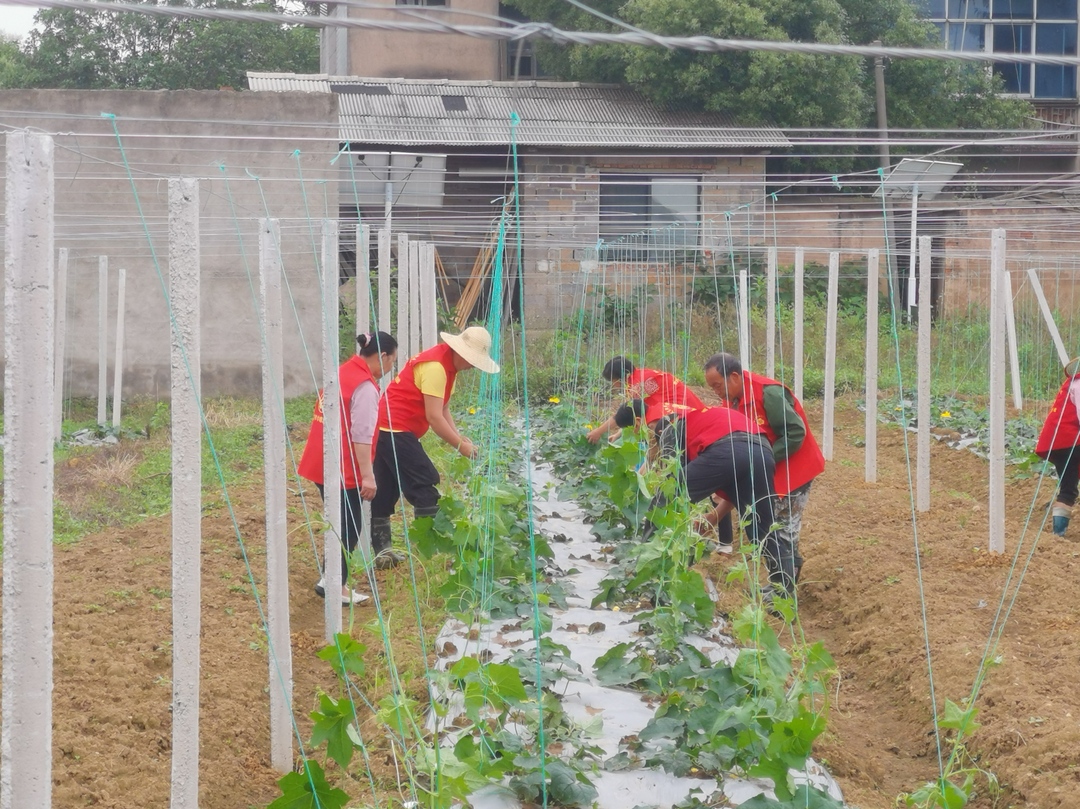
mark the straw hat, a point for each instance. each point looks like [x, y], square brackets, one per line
[474, 346]
[1073, 367]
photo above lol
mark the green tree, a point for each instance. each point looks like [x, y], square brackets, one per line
[790, 90]
[96, 50]
[13, 68]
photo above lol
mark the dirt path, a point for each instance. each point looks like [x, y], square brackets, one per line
[113, 660]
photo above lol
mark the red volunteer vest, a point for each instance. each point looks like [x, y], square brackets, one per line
[800, 467]
[1062, 426]
[707, 426]
[402, 406]
[662, 393]
[351, 375]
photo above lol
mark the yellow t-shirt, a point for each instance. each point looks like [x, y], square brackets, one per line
[430, 378]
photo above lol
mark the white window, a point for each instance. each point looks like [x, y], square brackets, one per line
[644, 215]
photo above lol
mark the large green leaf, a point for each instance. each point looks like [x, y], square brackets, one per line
[332, 725]
[308, 790]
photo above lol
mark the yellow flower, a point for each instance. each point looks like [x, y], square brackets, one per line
[472, 411]
[945, 414]
[615, 609]
[588, 427]
[553, 399]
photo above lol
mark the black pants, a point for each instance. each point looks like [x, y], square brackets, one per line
[403, 468]
[352, 521]
[1067, 463]
[742, 466]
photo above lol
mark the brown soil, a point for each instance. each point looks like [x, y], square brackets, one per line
[860, 596]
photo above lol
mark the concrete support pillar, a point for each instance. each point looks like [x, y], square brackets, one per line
[1048, 317]
[184, 272]
[996, 511]
[332, 437]
[873, 262]
[1014, 351]
[830, 356]
[414, 297]
[29, 307]
[770, 314]
[404, 349]
[797, 359]
[277, 547]
[744, 320]
[363, 279]
[103, 339]
[61, 341]
[922, 437]
[428, 299]
[118, 357]
[384, 281]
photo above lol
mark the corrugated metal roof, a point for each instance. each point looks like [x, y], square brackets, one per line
[414, 112]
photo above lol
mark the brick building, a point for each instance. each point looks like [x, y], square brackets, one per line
[603, 175]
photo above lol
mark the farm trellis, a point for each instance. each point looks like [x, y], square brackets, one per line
[619, 303]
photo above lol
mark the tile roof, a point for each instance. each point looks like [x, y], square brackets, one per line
[443, 112]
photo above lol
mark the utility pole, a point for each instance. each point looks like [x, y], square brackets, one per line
[885, 161]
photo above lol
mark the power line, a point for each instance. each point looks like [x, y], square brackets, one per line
[539, 30]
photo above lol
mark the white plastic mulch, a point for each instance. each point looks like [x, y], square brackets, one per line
[590, 632]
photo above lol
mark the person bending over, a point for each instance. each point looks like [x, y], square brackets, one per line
[721, 452]
[418, 399]
[662, 393]
[774, 410]
[1058, 444]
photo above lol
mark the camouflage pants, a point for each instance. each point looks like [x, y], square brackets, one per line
[787, 512]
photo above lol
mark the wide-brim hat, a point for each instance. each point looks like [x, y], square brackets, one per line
[474, 346]
[1072, 368]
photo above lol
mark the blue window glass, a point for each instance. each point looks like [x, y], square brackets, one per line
[969, 9]
[1017, 78]
[1012, 39]
[1056, 37]
[1057, 9]
[1014, 9]
[930, 9]
[1055, 81]
[967, 37]
[940, 26]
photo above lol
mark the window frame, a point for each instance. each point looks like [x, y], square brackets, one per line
[623, 242]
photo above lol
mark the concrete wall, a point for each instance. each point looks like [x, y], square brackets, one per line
[407, 55]
[561, 217]
[226, 139]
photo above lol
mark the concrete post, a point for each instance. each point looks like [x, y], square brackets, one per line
[184, 272]
[1048, 316]
[428, 306]
[26, 737]
[332, 437]
[744, 320]
[830, 356]
[404, 349]
[996, 511]
[118, 356]
[797, 359]
[277, 548]
[61, 338]
[414, 297]
[922, 439]
[873, 262]
[384, 281]
[363, 279]
[1014, 352]
[770, 315]
[103, 338]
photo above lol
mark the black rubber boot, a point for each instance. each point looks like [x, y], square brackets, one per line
[385, 557]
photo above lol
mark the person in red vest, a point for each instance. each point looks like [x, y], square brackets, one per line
[781, 418]
[359, 392]
[662, 393]
[1058, 444]
[419, 399]
[721, 451]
